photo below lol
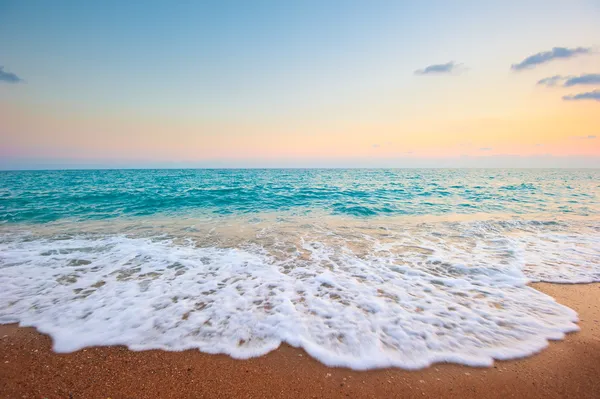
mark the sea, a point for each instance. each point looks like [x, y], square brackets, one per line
[361, 268]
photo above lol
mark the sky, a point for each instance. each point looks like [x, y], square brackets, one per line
[299, 84]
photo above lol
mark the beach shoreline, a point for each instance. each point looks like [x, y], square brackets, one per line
[30, 369]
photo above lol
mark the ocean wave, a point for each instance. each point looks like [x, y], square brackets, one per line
[48, 196]
[354, 293]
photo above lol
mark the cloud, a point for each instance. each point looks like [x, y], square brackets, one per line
[552, 80]
[570, 81]
[590, 95]
[486, 149]
[585, 79]
[547, 56]
[9, 77]
[448, 67]
[376, 146]
[590, 137]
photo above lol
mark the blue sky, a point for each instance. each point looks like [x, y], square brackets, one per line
[263, 82]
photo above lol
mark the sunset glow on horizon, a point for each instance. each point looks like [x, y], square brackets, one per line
[303, 85]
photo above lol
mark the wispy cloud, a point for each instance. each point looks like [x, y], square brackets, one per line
[586, 79]
[486, 149]
[547, 56]
[569, 81]
[552, 80]
[8, 77]
[437, 69]
[590, 137]
[590, 95]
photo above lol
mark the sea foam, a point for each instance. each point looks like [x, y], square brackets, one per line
[355, 294]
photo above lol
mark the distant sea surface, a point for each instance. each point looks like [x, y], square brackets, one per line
[361, 268]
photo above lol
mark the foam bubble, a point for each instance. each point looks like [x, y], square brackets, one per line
[356, 295]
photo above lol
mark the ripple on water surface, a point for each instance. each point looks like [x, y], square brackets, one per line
[41, 197]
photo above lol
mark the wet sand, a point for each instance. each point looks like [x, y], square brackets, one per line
[29, 369]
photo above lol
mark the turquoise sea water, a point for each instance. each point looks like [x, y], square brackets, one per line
[47, 196]
[361, 268]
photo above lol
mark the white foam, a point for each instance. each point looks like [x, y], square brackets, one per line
[561, 257]
[350, 296]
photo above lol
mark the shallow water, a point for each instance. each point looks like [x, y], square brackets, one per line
[361, 268]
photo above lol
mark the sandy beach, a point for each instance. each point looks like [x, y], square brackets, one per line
[29, 369]
[299, 199]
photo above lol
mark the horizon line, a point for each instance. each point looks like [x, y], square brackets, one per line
[76, 169]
